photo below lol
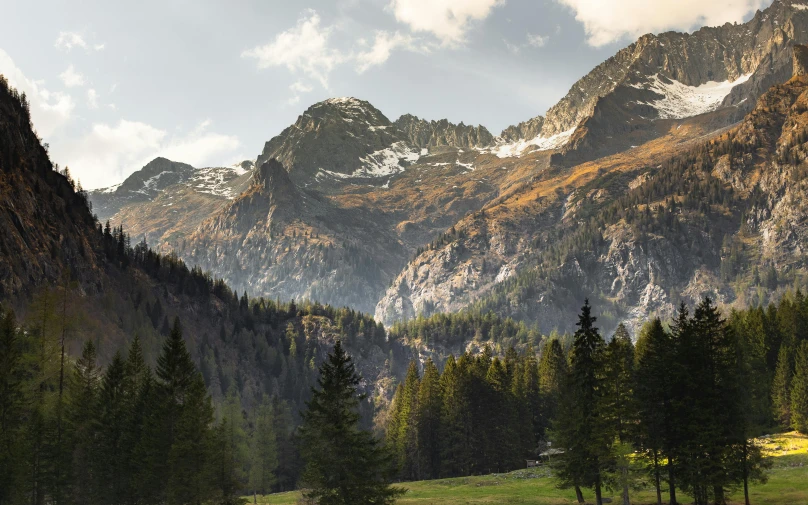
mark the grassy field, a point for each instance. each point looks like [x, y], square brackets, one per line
[788, 484]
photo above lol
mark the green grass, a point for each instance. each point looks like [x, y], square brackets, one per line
[788, 484]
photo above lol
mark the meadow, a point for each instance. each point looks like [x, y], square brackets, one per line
[787, 485]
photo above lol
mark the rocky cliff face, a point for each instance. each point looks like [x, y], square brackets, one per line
[636, 232]
[422, 133]
[674, 76]
[455, 218]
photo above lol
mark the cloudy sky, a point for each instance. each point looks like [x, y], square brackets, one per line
[114, 84]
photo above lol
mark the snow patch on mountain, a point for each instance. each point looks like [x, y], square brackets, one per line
[517, 148]
[216, 180]
[681, 101]
[382, 163]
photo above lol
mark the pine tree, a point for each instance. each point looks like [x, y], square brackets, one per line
[781, 386]
[455, 420]
[653, 392]
[112, 426]
[428, 423]
[799, 391]
[531, 398]
[617, 401]
[709, 404]
[579, 429]
[82, 426]
[188, 458]
[345, 465]
[12, 407]
[552, 379]
[264, 450]
[406, 408]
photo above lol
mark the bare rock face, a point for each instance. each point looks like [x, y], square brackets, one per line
[423, 133]
[800, 60]
[643, 83]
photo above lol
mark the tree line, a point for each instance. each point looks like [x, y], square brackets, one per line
[678, 410]
[72, 431]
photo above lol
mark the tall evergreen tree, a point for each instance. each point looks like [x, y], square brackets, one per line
[263, 449]
[113, 416]
[12, 408]
[455, 419]
[579, 429]
[799, 391]
[653, 389]
[781, 386]
[82, 423]
[552, 380]
[428, 423]
[345, 465]
[617, 403]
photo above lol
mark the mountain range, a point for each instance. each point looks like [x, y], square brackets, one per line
[669, 172]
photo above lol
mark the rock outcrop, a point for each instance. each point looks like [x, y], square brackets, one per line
[800, 60]
[422, 133]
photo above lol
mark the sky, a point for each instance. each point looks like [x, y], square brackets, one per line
[113, 85]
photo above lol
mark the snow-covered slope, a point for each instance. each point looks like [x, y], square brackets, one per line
[680, 101]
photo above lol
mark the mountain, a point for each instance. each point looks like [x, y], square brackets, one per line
[59, 269]
[166, 198]
[666, 77]
[721, 216]
[412, 216]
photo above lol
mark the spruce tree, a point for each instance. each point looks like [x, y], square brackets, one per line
[455, 420]
[189, 455]
[344, 465]
[617, 403]
[579, 429]
[552, 380]
[781, 386]
[428, 423]
[12, 408]
[405, 412]
[530, 397]
[653, 391]
[113, 417]
[82, 426]
[263, 450]
[799, 391]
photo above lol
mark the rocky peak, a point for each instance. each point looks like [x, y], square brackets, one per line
[672, 76]
[155, 175]
[423, 133]
[272, 176]
[800, 60]
[339, 138]
[525, 130]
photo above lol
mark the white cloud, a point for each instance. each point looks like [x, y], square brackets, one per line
[448, 20]
[531, 40]
[537, 40]
[49, 110]
[301, 49]
[383, 44]
[99, 47]
[609, 21]
[92, 99]
[68, 40]
[71, 78]
[298, 88]
[107, 154]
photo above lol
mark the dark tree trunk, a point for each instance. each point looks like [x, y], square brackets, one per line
[656, 479]
[671, 482]
[579, 495]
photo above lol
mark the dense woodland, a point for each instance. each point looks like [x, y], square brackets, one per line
[688, 399]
